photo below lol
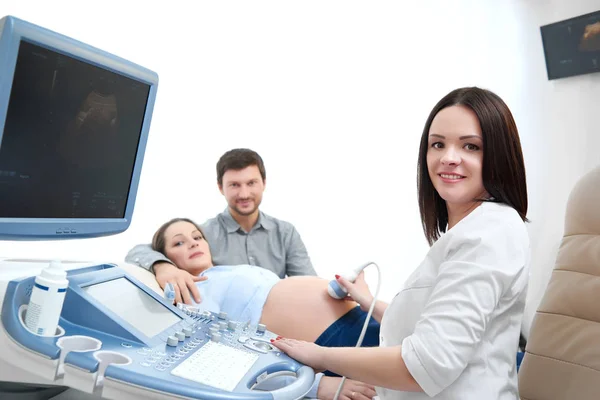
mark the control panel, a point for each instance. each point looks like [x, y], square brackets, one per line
[116, 336]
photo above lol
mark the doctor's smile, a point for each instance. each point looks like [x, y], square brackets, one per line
[451, 178]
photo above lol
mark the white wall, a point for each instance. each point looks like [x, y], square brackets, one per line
[561, 117]
[333, 95]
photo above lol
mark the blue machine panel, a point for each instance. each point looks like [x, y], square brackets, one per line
[180, 351]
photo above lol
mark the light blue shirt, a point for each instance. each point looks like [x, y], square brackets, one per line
[239, 290]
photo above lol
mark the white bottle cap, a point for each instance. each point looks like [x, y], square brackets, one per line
[54, 271]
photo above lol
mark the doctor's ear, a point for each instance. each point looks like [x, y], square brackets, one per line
[220, 186]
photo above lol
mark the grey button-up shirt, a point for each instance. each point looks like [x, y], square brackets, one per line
[272, 244]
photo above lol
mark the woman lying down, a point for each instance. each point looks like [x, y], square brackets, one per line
[297, 307]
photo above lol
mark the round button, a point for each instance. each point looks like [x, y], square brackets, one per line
[223, 325]
[243, 339]
[172, 341]
[232, 325]
[222, 315]
[180, 336]
[126, 345]
[216, 337]
[187, 331]
[263, 346]
[261, 328]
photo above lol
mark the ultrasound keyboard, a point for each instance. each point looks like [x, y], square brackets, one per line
[217, 365]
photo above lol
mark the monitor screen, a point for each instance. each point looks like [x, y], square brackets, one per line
[572, 46]
[133, 305]
[74, 123]
[70, 138]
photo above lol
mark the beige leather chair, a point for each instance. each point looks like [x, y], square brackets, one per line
[562, 360]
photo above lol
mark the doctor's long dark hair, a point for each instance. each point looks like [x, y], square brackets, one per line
[503, 166]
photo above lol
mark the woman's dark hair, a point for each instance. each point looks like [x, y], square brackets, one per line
[503, 170]
[237, 159]
[158, 240]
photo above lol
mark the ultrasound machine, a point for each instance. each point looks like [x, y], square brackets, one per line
[74, 122]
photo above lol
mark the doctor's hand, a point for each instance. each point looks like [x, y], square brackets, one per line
[352, 390]
[305, 352]
[183, 282]
[357, 291]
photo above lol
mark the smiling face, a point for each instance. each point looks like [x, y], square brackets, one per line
[243, 190]
[186, 247]
[455, 156]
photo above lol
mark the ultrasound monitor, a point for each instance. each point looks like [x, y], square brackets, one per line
[74, 122]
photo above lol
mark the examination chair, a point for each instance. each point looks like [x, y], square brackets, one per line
[562, 357]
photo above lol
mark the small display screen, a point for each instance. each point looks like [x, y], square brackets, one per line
[134, 305]
[572, 47]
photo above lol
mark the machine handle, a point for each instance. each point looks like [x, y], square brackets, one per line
[305, 376]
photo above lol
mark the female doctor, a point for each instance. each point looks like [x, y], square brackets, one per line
[452, 332]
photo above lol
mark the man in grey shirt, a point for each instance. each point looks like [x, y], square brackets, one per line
[242, 234]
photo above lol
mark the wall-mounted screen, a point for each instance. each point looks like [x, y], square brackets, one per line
[572, 47]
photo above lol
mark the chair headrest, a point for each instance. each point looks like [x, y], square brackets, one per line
[583, 207]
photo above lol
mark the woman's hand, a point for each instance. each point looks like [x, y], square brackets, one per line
[304, 352]
[357, 291]
[352, 390]
[183, 282]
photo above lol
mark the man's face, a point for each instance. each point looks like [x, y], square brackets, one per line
[243, 190]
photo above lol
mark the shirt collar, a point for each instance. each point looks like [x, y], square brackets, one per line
[231, 225]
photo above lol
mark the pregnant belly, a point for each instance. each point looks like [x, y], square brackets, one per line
[300, 308]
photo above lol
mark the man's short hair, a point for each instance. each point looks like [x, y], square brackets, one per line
[237, 159]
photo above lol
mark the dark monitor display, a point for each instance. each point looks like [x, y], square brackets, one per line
[140, 310]
[74, 122]
[70, 138]
[572, 47]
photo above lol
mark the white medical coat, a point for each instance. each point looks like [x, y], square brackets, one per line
[458, 317]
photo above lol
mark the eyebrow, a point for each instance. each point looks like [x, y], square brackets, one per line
[181, 234]
[461, 138]
[249, 180]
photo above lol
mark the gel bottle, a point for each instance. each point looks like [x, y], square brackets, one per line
[47, 299]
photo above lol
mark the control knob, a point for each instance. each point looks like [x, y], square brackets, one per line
[172, 341]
